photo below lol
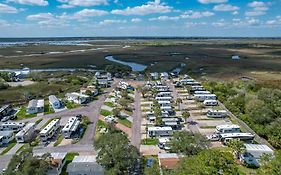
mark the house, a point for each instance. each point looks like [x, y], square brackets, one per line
[5, 111]
[84, 165]
[56, 161]
[35, 106]
[154, 75]
[6, 137]
[91, 89]
[235, 57]
[11, 126]
[50, 130]
[55, 102]
[221, 129]
[26, 133]
[254, 152]
[168, 160]
[164, 76]
[77, 97]
[103, 79]
[71, 126]
[159, 131]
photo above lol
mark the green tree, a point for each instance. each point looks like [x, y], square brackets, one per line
[123, 102]
[188, 143]
[185, 115]
[270, 166]
[116, 112]
[179, 102]
[208, 162]
[116, 154]
[237, 146]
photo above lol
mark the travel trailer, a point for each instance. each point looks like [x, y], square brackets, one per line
[217, 113]
[202, 97]
[160, 131]
[221, 129]
[210, 102]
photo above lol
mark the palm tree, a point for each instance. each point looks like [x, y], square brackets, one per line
[178, 102]
[237, 146]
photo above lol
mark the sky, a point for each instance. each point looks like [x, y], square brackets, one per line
[214, 18]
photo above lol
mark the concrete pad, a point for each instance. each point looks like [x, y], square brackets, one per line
[15, 149]
[66, 142]
[150, 150]
[106, 108]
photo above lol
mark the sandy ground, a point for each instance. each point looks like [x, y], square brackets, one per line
[21, 83]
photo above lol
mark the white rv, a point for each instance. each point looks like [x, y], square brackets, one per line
[221, 129]
[164, 94]
[197, 88]
[210, 102]
[70, 127]
[217, 113]
[163, 143]
[164, 103]
[11, 126]
[49, 131]
[160, 131]
[226, 137]
[202, 97]
[163, 98]
[202, 92]
[6, 137]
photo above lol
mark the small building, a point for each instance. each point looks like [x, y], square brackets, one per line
[77, 97]
[71, 126]
[5, 111]
[160, 131]
[49, 131]
[55, 102]
[56, 161]
[103, 79]
[164, 76]
[254, 152]
[154, 75]
[26, 133]
[91, 89]
[6, 137]
[168, 160]
[35, 106]
[85, 165]
[11, 126]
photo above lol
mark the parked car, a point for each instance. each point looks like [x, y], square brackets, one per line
[213, 137]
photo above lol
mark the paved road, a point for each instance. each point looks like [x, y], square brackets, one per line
[136, 128]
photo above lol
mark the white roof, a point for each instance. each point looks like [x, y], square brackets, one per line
[163, 140]
[25, 129]
[160, 129]
[72, 124]
[218, 127]
[84, 159]
[53, 99]
[49, 126]
[216, 111]
[76, 95]
[240, 134]
[167, 155]
[258, 147]
[206, 101]
[202, 92]
[36, 103]
[204, 95]
[163, 102]
[12, 124]
[6, 133]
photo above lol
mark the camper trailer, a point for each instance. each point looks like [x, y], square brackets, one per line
[210, 102]
[202, 97]
[202, 92]
[221, 129]
[49, 131]
[160, 131]
[163, 143]
[70, 127]
[246, 137]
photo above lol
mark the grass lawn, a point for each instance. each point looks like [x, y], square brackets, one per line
[247, 171]
[130, 113]
[149, 141]
[207, 127]
[59, 140]
[70, 105]
[23, 115]
[68, 159]
[125, 122]
[110, 104]
[9, 147]
[38, 121]
[48, 109]
[25, 146]
[105, 112]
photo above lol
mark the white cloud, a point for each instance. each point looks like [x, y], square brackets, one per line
[112, 21]
[225, 7]
[195, 14]
[165, 18]
[89, 13]
[31, 2]
[212, 1]
[136, 20]
[40, 16]
[258, 8]
[4, 8]
[85, 3]
[4, 23]
[149, 8]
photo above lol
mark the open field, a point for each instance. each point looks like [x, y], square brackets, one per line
[260, 58]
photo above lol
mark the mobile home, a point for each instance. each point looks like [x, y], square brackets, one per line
[77, 97]
[26, 133]
[160, 131]
[247, 137]
[217, 113]
[221, 129]
[35, 106]
[49, 131]
[71, 126]
[54, 102]
[6, 137]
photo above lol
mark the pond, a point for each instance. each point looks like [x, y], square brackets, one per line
[135, 66]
